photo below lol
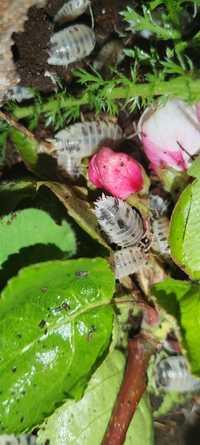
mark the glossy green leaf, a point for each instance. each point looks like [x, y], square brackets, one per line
[182, 300]
[184, 231]
[33, 226]
[84, 422]
[56, 324]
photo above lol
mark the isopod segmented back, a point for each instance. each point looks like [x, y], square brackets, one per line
[70, 165]
[71, 45]
[128, 261]
[158, 205]
[172, 374]
[72, 9]
[160, 228]
[83, 138]
[122, 224]
[20, 440]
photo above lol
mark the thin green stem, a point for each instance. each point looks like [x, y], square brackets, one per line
[184, 87]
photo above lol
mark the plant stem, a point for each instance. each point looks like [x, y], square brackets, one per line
[184, 88]
[131, 391]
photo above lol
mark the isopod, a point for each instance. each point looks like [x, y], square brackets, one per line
[70, 165]
[81, 140]
[71, 45]
[122, 224]
[160, 228]
[19, 93]
[158, 205]
[173, 374]
[128, 261]
[111, 54]
[72, 9]
[20, 440]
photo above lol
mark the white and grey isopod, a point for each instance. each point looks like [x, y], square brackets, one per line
[71, 45]
[122, 224]
[128, 261]
[81, 140]
[159, 206]
[72, 9]
[160, 228]
[20, 440]
[19, 93]
[172, 374]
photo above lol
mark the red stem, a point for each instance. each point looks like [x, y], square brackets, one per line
[131, 391]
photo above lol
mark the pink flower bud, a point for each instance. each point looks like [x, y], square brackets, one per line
[171, 134]
[117, 173]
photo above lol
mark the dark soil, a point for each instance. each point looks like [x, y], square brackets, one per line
[31, 46]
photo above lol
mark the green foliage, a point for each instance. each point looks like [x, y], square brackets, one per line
[194, 170]
[184, 231]
[56, 324]
[4, 131]
[28, 227]
[146, 22]
[84, 422]
[79, 209]
[182, 300]
[27, 147]
[12, 192]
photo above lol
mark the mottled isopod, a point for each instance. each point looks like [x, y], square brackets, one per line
[20, 93]
[160, 228]
[19, 440]
[71, 45]
[81, 140]
[158, 205]
[72, 9]
[122, 224]
[128, 261]
[173, 374]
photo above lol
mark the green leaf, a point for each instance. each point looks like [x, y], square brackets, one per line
[56, 325]
[182, 300]
[12, 192]
[168, 294]
[28, 147]
[78, 209]
[184, 231]
[190, 320]
[194, 170]
[84, 422]
[33, 226]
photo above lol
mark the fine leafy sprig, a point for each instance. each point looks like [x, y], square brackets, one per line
[146, 22]
[100, 95]
[150, 76]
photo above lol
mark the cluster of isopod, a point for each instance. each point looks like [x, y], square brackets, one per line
[21, 440]
[173, 374]
[124, 227]
[75, 42]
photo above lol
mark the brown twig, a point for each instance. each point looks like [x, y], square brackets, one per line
[131, 391]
